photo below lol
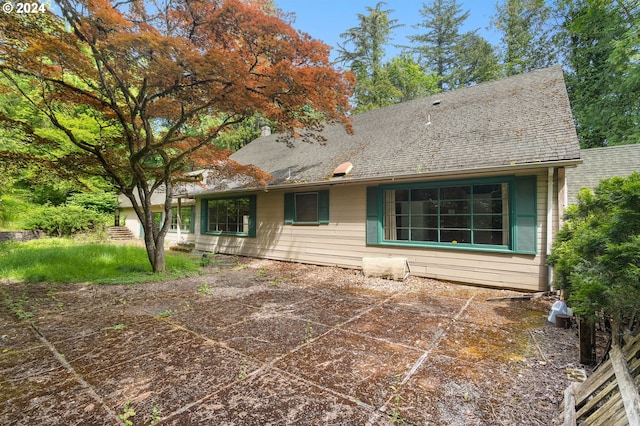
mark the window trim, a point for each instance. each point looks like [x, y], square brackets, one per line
[514, 214]
[322, 208]
[191, 229]
[204, 219]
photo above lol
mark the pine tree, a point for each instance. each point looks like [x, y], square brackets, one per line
[526, 35]
[601, 47]
[363, 52]
[436, 48]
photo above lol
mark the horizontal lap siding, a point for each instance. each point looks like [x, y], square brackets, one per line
[342, 243]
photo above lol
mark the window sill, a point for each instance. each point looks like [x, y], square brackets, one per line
[451, 246]
[227, 234]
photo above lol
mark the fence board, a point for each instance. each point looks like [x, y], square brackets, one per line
[609, 397]
[626, 384]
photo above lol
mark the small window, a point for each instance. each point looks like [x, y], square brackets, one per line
[306, 208]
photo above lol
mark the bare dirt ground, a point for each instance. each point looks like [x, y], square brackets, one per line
[257, 342]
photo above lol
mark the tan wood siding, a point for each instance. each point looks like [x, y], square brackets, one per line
[342, 243]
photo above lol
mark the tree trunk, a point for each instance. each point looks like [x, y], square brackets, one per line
[587, 337]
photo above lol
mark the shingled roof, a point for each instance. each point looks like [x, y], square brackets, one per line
[521, 120]
[602, 163]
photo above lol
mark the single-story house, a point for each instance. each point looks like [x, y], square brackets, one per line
[467, 186]
[602, 163]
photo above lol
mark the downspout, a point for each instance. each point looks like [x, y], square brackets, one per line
[550, 173]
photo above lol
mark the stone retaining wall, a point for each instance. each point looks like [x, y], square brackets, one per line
[20, 235]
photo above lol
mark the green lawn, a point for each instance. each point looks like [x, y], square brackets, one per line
[63, 260]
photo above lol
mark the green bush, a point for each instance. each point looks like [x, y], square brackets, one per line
[596, 255]
[102, 202]
[67, 220]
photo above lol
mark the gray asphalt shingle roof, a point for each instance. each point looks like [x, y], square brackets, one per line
[522, 119]
[602, 163]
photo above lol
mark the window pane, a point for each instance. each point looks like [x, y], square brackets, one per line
[306, 207]
[488, 237]
[402, 195]
[455, 207]
[402, 234]
[455, 193]
[402, 221]
[418, 234]
[487, 222]
[424, 207]
[424, 221]
[425, 194]
[455, 221]
[459, 236]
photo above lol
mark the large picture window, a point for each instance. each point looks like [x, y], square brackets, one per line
[465, 214]
[483, 214]
[230, 216]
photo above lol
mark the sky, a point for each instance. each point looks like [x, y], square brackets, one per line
[327, 19]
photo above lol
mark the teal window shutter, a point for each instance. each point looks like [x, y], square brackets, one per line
[323, 206]
[289, 208]
[525, 235]
[252, 216]
[372, 215]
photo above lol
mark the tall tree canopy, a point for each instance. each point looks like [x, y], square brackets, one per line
[363, 51]
[146, 74]
[436, 47]
[601, 44]
[526, 35]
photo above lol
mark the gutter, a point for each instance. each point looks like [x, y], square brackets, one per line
[511, 168]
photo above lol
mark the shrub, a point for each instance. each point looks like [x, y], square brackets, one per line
[596, 255]
[67, 220]
[102, 202]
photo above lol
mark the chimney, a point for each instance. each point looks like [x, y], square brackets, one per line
[265, 130]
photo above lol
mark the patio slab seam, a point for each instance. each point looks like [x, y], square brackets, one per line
[434, 344]
[60, 358]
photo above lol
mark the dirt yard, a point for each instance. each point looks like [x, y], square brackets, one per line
[258, 342]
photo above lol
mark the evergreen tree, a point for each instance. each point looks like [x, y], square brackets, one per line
[363, 52]
[601, 46]
[596, 256]
[436, 48]
[477, 61]
[526, 35]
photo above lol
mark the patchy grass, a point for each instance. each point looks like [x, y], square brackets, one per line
[62, 260]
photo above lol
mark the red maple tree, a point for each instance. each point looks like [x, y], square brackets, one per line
[148, 73]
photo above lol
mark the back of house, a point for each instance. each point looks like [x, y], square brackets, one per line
[467, 186]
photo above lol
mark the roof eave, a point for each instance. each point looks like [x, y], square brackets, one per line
[510, 168]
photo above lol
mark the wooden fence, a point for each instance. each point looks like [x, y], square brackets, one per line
[609, 397]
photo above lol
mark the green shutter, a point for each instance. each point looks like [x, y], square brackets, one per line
[289, 208]
[323, 206]
[372, 215]
[252, 215]
[525, 235]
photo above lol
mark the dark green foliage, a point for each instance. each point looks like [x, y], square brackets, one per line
[438, 43]
[601, 45]
[67, 220]
[526, 35]
[596, 255]
[101, 202]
